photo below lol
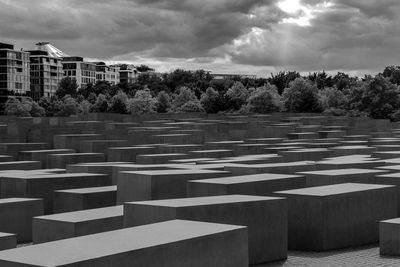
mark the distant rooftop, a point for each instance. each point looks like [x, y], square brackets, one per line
[6, 46]
[51, 50]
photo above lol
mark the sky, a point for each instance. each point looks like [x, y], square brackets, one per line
[223, 36]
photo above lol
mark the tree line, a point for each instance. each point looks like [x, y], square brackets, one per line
[197, 91]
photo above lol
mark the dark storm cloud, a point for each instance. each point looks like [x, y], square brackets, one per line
[344, 35]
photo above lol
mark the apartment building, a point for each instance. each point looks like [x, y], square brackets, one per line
[46, 72]
[83, 72]
[107, 73]
[14, 70]
[127, 73]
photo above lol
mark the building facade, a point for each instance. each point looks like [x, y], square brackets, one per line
[127, 73]
[107, 73]
[46, 74]
[14, 70]
[83, 72]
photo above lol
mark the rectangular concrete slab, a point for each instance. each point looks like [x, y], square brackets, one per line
[265, 217]
[16, 216]
[72, 224]
[338, 216]
[339, 176]
[160, 184]
[389, 237]
[41, 185]
[84, 198]
[176, 244]
[257, 184]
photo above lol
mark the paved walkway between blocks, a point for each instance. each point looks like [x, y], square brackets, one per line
[353, 257]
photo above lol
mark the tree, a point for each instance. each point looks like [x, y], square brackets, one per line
[283, 79]
[67, 86]
[163, 102]
[101, 104]
[37, 110]
[331, 97]
[301, 96]
[184, 96]
[68, 107]
[210, 100]
[144, 68]
[118, 103]
[238, 94]
[142, 103]
[191, 106]
[265, 99]
[14, 107]
[377, 96]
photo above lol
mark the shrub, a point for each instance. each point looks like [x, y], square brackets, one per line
[301, 96]
[378, 97]
[67, 86]
[210, 100]
[332, 98]
[37, 110]
[238, 95]
[191, 106]
[265, 99]
[84, 107]
[118, 103]
[101, 104]
[184, 96]
[163, 102]
[14, 107]
[68, 107]
[335, 112]
[142, 103]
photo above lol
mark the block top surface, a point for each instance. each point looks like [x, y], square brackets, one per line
[337, 189]
[48, 175]
[74, 250]
[204, 201]
[16, 200]
[175, 172]
[341, 172]
[270, 165]
[247, 178]
[89, 190]
[392, 221]
[85, 215]
[6, 234]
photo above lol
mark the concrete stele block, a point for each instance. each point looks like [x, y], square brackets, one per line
[265, 217]
[84, 198]
[176, 243]
[160, 184]
[256, 184]
[338, 216]
[78, 223]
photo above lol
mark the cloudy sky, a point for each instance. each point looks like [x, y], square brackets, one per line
[224, 36]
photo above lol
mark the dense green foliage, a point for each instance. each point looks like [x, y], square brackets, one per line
[198, 91]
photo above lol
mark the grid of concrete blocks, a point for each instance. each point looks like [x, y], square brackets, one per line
[195, 190]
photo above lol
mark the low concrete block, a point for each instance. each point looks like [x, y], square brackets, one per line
[265, 217]
[8, 241]
[257, 184]
[16, 216]
[338, 216]
[176, 244]
[62, 160]
[389, 237]
[340, 176]
[43, 185]
[84, 198]
[72, 224]
[163, 184]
